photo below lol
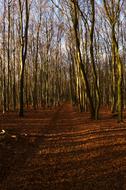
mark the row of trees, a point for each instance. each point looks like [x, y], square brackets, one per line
[52, 51]
[97, 54]
[33, 66]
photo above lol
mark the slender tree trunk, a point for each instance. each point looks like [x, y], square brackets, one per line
[23, 50]
[97, 92]
[114, 73]
[79, 60]
[8, 57]
[4, 67]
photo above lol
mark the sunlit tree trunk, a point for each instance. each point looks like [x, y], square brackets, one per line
[113, 13]
[97, 92]
[79, 58]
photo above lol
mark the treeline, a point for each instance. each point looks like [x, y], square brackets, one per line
[71, 49]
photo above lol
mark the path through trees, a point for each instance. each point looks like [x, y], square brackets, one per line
[62, 149]
[54, 51]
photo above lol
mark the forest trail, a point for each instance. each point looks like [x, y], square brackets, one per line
[61, 149]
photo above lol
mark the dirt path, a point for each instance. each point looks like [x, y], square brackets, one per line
[62, 149]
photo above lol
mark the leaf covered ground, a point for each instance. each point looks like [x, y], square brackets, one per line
[62, 149]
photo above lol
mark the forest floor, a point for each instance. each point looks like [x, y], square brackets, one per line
[62, 149]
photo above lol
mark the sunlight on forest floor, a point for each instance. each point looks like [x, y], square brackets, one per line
[62, 149]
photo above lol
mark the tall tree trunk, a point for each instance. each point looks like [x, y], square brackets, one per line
[23, 50]
[113, 14]
[96, 88]
[79, 58]
[8, 57]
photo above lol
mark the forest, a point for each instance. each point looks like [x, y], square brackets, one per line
[63, 94]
